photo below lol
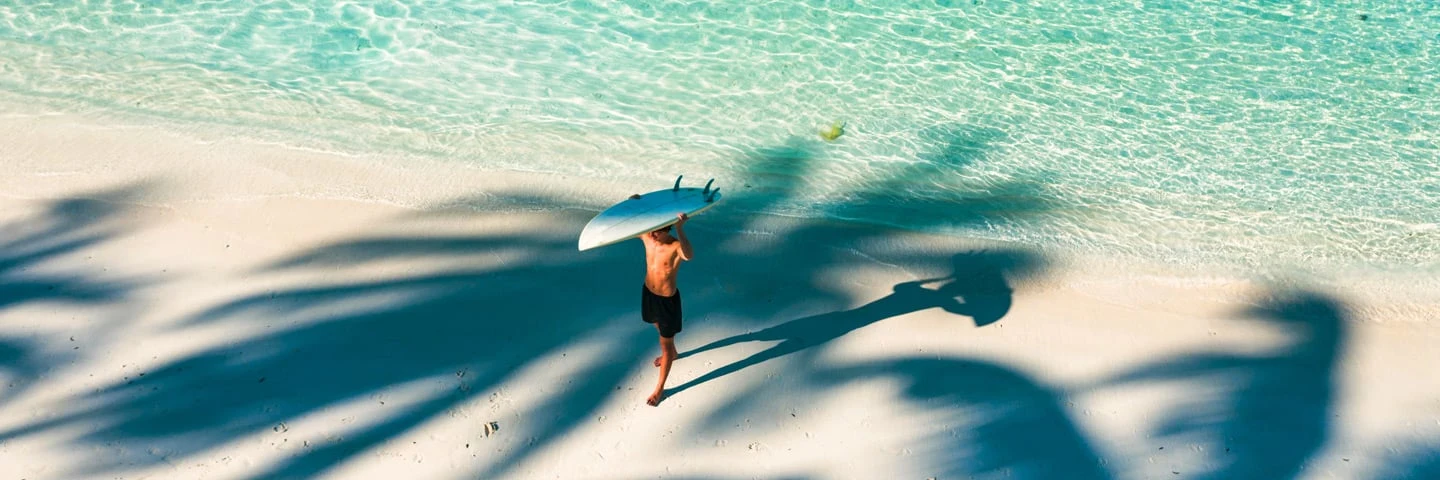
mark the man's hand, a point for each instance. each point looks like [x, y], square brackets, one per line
[683, 217]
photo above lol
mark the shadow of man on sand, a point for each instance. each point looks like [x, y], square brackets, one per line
[976, 289]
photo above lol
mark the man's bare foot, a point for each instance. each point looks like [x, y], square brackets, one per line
[655, 398]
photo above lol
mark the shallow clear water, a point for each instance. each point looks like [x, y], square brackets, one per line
[1242, 133]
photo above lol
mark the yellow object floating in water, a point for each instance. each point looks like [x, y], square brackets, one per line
[835, 131]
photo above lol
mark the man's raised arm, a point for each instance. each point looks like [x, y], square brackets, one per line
[685, 252]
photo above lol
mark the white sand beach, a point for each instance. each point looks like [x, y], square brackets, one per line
[179, 305]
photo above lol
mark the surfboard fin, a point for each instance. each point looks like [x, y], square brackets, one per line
[706, 191]
[677, 183]
[711, 197]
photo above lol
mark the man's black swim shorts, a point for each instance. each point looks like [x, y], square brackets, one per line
[662, 311]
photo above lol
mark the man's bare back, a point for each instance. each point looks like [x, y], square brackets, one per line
[660, 302]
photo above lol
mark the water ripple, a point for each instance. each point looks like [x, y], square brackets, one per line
[1245, 131]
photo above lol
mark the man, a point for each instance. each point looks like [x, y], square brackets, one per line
[660, 301]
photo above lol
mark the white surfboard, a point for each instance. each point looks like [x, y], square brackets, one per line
[633, 217]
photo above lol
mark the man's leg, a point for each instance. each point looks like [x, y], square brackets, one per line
[673, 355]
[667, 357]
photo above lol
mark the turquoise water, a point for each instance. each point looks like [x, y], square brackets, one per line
[1238, 132]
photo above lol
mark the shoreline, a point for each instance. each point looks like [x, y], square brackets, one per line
[152, 152]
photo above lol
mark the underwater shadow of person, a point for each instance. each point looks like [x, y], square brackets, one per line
[977, 288]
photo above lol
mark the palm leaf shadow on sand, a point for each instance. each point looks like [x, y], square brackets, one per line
[977, 288]
[467, 331]
[1277, 411]
[997, 421]
[65, 227]
[1421, 462]
[977, 276]
[460, 331]
[341, 342]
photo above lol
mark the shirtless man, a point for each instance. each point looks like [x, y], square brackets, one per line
[660, 301]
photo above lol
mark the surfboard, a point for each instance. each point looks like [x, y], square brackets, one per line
[635, 216]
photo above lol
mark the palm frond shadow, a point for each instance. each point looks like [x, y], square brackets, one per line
[1271, 410]
[937, 191]
[463, 331]
[65, 227]
[998, 420]
[976, 288]
[468, 330]
[460, 332]
[772, 175]
[1419, 462]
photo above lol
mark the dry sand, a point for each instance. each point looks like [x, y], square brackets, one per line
[180, 306]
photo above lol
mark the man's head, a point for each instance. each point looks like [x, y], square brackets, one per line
[662, 234]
